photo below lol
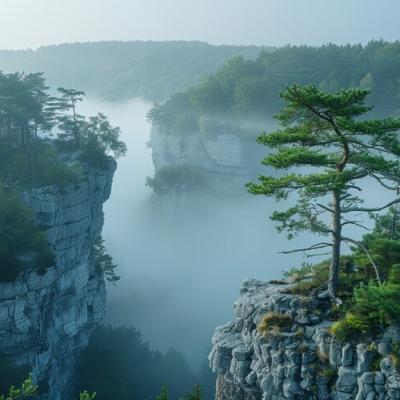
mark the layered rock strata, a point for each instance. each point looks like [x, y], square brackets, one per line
[46, 319]
[301, 362]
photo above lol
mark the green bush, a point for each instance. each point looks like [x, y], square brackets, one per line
[177, 179]
[18, 236]
[11, 375]
[19, 170]
[374, 308]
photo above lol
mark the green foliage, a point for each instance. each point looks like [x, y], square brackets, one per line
[121, 71]
[395, 355]
[127, 368]
[11, 375]
[20, 236]
[374, 308]
[197, 394]
[308, 277]
[27, 389]
[177, 179]
[27, 160]
[248, 89]
[322, 137]
[87, 396]
[383, 245]
[273, 322]
[164, 394]
[103, 262]
[98, 139]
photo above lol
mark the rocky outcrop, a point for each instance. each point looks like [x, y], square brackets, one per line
[46, 319]
[302, 361]
[236, 159]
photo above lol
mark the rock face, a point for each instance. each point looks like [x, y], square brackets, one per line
[46, 320]
[236, 158]
[302, 361]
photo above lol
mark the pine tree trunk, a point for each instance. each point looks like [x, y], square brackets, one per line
[336, 244]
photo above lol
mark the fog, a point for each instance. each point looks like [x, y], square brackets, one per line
[27, 23]
[181, 261]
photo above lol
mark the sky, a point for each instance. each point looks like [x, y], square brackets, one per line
[33, 23]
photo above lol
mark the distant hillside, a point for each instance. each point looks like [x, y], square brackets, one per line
[122, 70]
[248, 90]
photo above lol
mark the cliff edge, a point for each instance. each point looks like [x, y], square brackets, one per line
[46, 319]
[303, 361]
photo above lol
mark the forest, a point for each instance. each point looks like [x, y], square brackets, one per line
[123, 70]
[247, 91]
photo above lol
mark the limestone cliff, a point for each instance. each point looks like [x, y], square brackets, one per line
[235, 159]
[46, 320]
[304, 362]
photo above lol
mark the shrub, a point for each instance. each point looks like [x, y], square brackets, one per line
[378, 305]
[179, 179]
[394, 275]
[19, 235]
[41, 167]
[28, 389]
[273, 323]
[308, 277]
[103, 262]
[374, 307]
[11, 375]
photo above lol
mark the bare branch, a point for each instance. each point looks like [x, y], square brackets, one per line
[356, 223]
[371, 209]
[380, 180]
[361, 246]
[316, 246]
[325, 208]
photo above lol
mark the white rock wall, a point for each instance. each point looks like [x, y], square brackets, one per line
[46, 320]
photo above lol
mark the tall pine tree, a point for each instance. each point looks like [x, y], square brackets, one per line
[326, 149]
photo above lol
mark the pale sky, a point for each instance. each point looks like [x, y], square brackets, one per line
[32, 23]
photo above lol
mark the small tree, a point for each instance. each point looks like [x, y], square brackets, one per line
[323, 134]
[70, 124]
[164, 394]
[197, 393]
[28, 389]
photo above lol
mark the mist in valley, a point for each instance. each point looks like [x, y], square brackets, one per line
[181, 259]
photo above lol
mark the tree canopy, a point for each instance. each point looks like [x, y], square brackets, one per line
[326, 149]
[248, 90]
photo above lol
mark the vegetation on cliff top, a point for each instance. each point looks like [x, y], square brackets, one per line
[28, 159]
[327, 152]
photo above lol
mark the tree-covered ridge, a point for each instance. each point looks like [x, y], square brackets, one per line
[123, 70]
[249, 89]
[29, 117]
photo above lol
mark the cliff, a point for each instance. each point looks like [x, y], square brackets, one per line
[233, 159]
[304, 362]
[46, 319]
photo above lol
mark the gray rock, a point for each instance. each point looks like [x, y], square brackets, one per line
[46, 320]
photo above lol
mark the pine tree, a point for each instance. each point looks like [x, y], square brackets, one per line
[164, 394]
[326, 149]
[197, 393]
